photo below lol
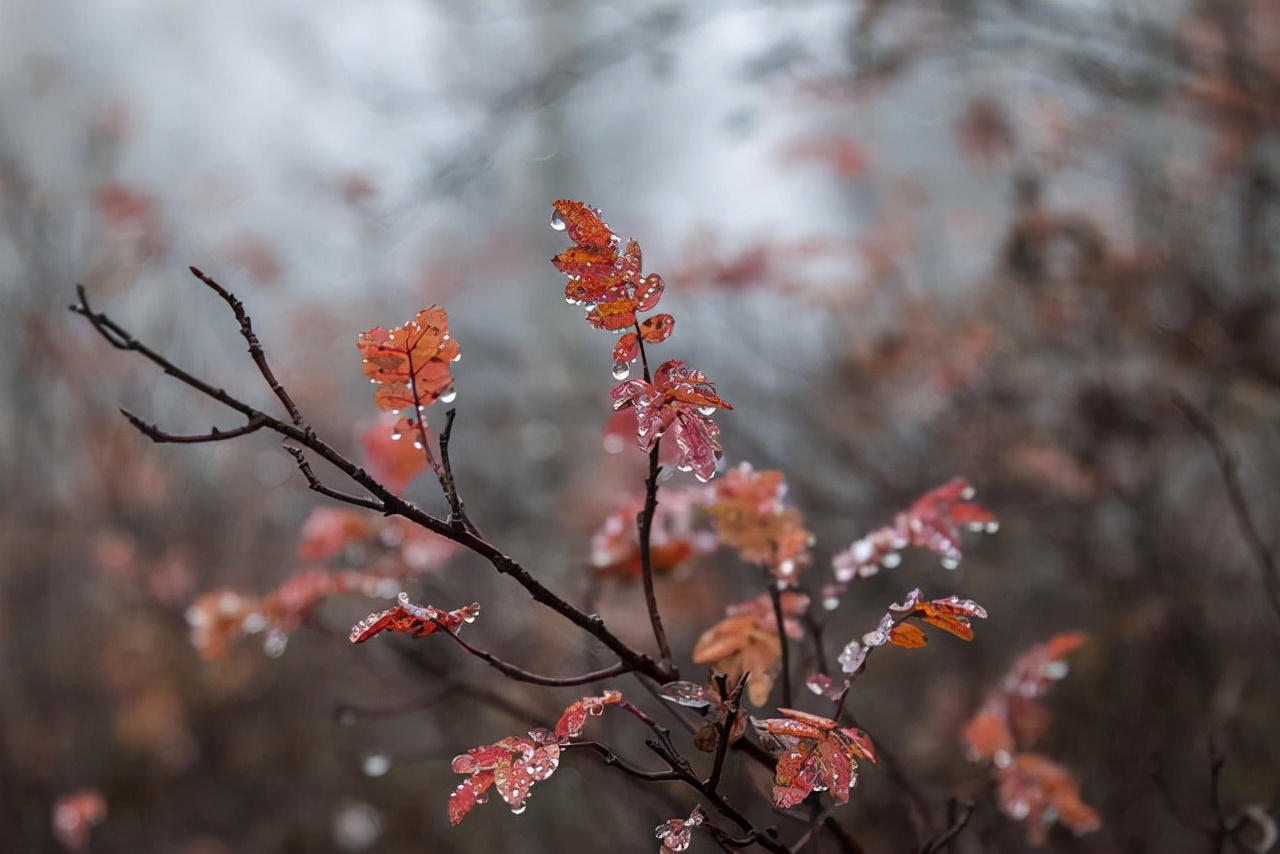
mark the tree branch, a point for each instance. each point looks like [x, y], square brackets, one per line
[775, 596]
[391, 503]
[521, 675]
[163, 437]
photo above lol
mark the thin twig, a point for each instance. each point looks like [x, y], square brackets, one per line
[1228, 466]
[519, 674]
[775, 596]
[644, 526]
[163, 437]
[318, 486]
[457, 514]
[612, 759]
[255, 347]
[960, 813]
[734, 698]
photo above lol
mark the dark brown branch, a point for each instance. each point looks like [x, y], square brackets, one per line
[775, 596]
[338, 495]
[612, 759]
[726, 727]
[391, 503]
[521, 675]
[1228, 466]
[163, 437]
[457, 514]
[960, 813]
[255, 348]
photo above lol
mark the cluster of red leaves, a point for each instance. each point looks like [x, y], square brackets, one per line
[390, 549]
[414, 620]
[515, 763]
[604, 276]
[677, 834]
[815, 754]
[680, 400]
[749, 513]
[748, 641]
[673, 539]
[952, 615]
[1030, 786]
[933, 522]
[410, 365]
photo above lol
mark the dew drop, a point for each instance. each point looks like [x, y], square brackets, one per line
[457, 357]
[417, 446]
[522, 807]
[621, 370]
[274, 644]
[831, 603]
[449, 394]
[950, 562]
[396, 437]
[706, 410]
[891, 560]
[557, 221]
[395, 412]
[992, 527]
[967, 493]
[375, 765]
[421, 407]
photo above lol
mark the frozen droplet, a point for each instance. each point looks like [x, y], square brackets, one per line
[621, 370]
[557, 221]
[457, 357]
[992, 527]
[421, 407]
[522, 807]
[1055, 669]
[706, 410]
[891, 560]
[469, 618]
[831, 603]
[967, 493]
[397, 436]
[395, 412]
[375, 765]
[417, 445]
[950, 562]
[253, 623]
[373, 380]
[787, 567]
[449, 394]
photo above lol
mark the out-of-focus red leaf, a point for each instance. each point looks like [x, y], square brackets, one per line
[391, 456]
[751, 516]
[1035, 789]
[75, 814]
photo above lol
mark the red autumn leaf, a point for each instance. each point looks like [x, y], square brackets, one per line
[815, 753]
[414, 620]
[575, 716]
[584, 223]
[751, 516]
[391, 456]
[907, 636]
[933, 521]
[1042, 665]
[410, 364]
[680, 401]
[988, 737]
[626, 350]
[327, 531]
[656, 329]
[75, 814]
[649, 291]
[677, 834]
[1039, 791]
[951, 615]
[512, 766]
[673, 537]
[739, 645]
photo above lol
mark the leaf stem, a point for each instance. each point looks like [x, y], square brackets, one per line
[775, 596]
[644, 529]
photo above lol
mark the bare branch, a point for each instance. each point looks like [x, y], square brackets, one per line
[521, 675]
[159, 436]
[1228, 466]
[337, 494]
[960, 813]
[255, 347]
[775, 596]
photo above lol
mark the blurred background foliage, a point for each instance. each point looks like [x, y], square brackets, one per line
[1014, 240]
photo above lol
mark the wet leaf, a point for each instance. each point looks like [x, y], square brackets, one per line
[410, 364]
[414, 620]
[575, 716]
[656, 329]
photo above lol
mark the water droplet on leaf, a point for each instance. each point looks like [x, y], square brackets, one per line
[557, 221]
[621, 370]
[375, 765]
[449, 394]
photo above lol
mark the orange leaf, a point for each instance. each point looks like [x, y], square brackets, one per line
[575, 716]
[658, 328]
[414, 620]
[411, 363]
[907, 636]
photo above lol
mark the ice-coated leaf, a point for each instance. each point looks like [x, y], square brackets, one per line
[649, 291]
[816, 754]
[677, 834]
[683, 693]
[414, 620]
[656, 329]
